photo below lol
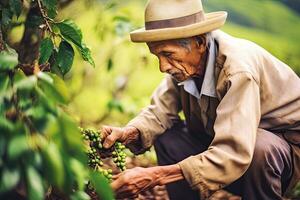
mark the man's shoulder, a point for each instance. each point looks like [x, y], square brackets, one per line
[240, 55]
[232, 45]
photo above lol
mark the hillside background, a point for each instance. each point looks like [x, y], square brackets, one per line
[126, 74]
[273, 24]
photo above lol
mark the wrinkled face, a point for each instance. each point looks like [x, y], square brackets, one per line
[181, 61]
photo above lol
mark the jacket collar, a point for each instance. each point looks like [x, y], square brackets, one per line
[209, 82]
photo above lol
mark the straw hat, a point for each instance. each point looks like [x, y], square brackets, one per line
[173, 19]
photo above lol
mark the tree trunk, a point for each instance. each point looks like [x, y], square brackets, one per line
[2, 46]
[29, 46]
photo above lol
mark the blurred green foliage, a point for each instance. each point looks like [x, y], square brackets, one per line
[271, 24]
[41, 149]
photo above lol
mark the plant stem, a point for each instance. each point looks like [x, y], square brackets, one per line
[2, 45]
[45, 17]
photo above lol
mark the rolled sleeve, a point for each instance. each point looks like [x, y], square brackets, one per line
[231, 150]
[158, 116]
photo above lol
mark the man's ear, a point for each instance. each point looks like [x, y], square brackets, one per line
[201, 43]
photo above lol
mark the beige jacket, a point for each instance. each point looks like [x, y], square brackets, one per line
[248, 89]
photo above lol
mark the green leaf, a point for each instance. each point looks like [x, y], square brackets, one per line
[46, 77]
[6, 17]
[25, 102]
[79, 172]
[61, 87]
[52, 127]
[27, 83]
[71, 137]
[121, 18]
[53, 164]
[115, 104]
[53, 63]
[70, 31]
[51, 91]
[5, 125]
[4, 81]
[16, 7]
[18, 76]
[8, 59]
[17, 147]
[49, 3]
[51, 6]
[35, 189]
[80, 195]
[109, 64]
[37, 159]
[86, 54]
[110, 5]
[65, 57]
[45, 101]
[10, 178]
[101, 186]
[69, 185]
[36, 112]
[46, 49]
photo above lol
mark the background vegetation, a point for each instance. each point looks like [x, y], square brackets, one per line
[126, 73]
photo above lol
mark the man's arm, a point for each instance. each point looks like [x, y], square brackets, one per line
[158, 116]
[131, 182]
[169, 173]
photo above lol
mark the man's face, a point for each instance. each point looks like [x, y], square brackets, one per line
[181, 61]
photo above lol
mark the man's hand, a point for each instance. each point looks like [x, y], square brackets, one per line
[125, 135]
[130, 183]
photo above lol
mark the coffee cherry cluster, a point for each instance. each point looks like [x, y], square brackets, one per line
[95, 149]
[119, 156]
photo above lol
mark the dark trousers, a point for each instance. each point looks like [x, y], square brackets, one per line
[266, 178]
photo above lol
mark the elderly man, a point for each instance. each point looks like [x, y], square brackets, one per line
[241, 106]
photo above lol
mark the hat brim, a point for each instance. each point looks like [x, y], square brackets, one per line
[213, 21]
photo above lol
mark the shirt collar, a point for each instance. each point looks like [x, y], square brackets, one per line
[190, 87]
[208, 86]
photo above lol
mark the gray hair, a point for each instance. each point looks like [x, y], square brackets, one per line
[186, 42]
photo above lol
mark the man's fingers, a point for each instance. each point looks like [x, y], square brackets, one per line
[111, 139]
[126, 192]
[106, 130]
[116, 176]
[109, 135]
[116, 184]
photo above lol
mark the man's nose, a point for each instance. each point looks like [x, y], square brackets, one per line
[164, 65]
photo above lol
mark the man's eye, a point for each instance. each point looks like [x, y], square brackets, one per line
[166, 54]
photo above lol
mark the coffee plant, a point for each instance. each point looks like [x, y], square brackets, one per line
[95, 151]
[41, 151]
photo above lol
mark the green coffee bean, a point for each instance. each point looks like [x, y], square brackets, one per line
[94, 139]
